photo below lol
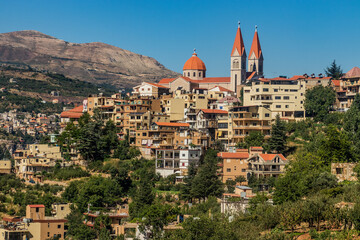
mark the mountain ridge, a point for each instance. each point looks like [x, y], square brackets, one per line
[94, 62]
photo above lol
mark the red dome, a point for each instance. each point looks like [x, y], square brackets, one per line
[194, 63]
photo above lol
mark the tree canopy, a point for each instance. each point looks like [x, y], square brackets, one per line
[334, 70]
[318, 102]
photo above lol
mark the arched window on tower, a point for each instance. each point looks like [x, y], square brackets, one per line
[188, 74]
[235, 64]
[199, 74]
[184, 74]
[194, 74]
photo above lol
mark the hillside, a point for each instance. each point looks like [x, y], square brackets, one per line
[95, 62]
[27, 89]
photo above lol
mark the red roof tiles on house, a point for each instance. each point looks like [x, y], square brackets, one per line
[214, 111]
[269, 157]
[37, 206]
[170, 124]
[156, 85]
[353, 73]
[76, 112]
[222, 89]
[336, 83]
[235, 155]
[166, 80]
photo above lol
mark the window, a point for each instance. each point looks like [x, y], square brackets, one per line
[243, 170]
[257, 90]
[301, 102]
[278, 106]
[277, 97]
[293, 90]
[286, 97]
[339, 170]
[142, 89]
[286, 90]
[235, 64]
[228, 170]
[48, 234]
[62, 208]
[234, 168]
[199, 74]
[265, 89]
[267, 115]
[59, 226]
[37, 209]
[276, 90]
[183, 164]
[48, 225]
[148, 89]
[188, 74]
[286, 106]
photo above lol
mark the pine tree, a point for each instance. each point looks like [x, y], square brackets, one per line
[206, 183]
[277, 141]
[334, 70]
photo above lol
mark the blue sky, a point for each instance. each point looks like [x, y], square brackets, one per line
[296, 36]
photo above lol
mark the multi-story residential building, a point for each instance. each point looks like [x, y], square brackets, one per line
[266, 165]
[172, 161]
[247, 119]
[116, 217]
[162, 135]
[253, 162]
[283, 96]
[42, 227]
[150, 89]
[207, 120]
[234, 164]
[36, 158]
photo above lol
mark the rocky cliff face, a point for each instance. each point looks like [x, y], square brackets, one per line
[93, 62]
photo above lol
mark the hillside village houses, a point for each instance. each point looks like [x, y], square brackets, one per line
[192, 112]
[177, 119]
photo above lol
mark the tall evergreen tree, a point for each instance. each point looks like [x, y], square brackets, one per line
[207, 183]
[277, 141]
[334, 70]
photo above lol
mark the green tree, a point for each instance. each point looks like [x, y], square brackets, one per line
[240, 179]
[185, 190]
[334, 71]
[277, 141]
[254, 139]
[318, 102]
[156, 216]
[352, 124]
[206, 182]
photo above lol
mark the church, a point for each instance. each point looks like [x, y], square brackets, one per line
[194, 70]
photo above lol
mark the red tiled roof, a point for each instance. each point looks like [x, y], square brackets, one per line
[255, 46]
[336, 83]
[194, 63]
[353, 73]
[238, 43]
[257, 148]
[222, 89]
[35, 206]
[214, 111]
[76, 112]
[156, 85]
[214, 80]
[171, 124]
[251, 75]
[269, 157]
[235, 155]
[166, 80]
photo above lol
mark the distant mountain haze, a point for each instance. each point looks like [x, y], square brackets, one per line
[95, 62]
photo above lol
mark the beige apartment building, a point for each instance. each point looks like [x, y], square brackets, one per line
[282, 96]
[36, 158]
[246, 119]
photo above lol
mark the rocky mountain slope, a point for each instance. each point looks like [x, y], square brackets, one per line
[96, 62]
